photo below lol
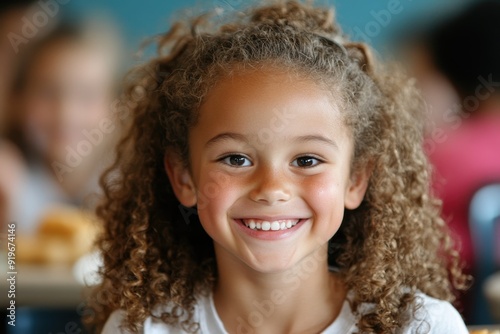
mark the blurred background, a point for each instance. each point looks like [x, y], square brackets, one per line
[61, 63]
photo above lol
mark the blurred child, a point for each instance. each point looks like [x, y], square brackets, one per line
[273, 181]
[12, 13]
[466, 154]
[61, 98]
[470, 156]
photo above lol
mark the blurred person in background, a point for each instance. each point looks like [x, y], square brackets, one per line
[437, 90]
[60, 120]
[13, 14]
[457, 64]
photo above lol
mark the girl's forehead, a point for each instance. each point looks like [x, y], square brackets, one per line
[263, 100]
[269, 87]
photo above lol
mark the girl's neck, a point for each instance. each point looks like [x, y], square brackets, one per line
[304, 299]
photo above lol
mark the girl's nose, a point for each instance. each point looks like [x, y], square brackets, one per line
[270, 188]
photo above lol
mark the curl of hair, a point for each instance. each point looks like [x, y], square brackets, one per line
[155, 251]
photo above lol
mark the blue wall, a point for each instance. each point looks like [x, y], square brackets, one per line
[359, 18]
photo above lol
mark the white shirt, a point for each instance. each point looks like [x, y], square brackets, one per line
[435, 316]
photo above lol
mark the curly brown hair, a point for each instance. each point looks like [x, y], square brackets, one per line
[156, 252]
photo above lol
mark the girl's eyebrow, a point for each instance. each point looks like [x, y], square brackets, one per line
[225, 136]
[317, 138]
[239, 137]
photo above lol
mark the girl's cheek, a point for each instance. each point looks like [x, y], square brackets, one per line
[321, 186]
[217, 191]
[323, 194]
[216, 195]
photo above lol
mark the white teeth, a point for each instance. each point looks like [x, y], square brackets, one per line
[267, 225]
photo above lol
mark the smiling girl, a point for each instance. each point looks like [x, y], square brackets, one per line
[272, 181]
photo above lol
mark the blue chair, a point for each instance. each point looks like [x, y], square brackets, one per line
[484, 220]
[40, 320]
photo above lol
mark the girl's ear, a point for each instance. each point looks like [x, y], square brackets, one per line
[180, 179]
[356, 188]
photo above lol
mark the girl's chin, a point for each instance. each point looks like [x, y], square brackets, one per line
[291, 265]
[272, 268]
[299, 263]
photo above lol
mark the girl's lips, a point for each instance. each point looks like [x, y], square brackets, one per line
[270, 234]
[267, 225]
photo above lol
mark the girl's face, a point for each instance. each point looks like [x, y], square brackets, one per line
[270, 174]
[67, 94]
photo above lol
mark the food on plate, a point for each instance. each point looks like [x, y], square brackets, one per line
[64, 235]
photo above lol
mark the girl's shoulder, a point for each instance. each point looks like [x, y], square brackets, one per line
[433, 316]
[204, 314]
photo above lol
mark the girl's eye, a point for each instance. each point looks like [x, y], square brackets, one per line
[236, 160]
[305, 162]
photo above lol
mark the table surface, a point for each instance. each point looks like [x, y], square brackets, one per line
[44, 286]
[488, 327]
